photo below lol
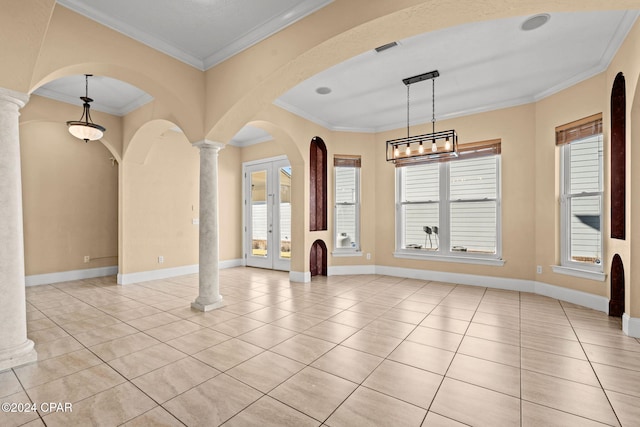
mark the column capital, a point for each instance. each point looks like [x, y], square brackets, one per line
[205, 143]
[18, 98]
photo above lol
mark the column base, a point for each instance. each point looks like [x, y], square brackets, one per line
[207, 307]
[21, 355]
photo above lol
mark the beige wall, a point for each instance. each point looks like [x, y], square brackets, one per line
[70, 200]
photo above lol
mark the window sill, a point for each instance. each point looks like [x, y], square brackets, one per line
[449, 258]
[346, 252]
[583, 274]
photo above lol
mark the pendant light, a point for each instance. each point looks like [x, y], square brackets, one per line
[85, 128]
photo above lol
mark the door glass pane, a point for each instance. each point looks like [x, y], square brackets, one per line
[259, 218]
[285, 212]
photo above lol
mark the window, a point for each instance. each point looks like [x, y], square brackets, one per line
[581, 194]
[452, 208]
[347, 204]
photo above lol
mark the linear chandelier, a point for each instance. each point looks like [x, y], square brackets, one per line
[85, 128]
[439, 145]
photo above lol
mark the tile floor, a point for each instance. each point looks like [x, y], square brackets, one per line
[341, 351]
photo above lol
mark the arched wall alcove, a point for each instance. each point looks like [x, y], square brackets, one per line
[617, 301]
[317, 184]
[318, 259]
[618, 158]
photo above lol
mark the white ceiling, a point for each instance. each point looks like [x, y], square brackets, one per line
[483, 66]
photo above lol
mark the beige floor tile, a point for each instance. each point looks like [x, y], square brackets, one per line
[49, 334]
[314, 392]
[436, 338]
[420, 307]
[542, 328]
[268, 314]
[135, 364]
[559, 366]
[331, 331]
[424, 357]
[475, 405]
[445, 324]
[627, 408]
[618, 379]
[109, 408]
[454, 313]
[122, 346]
[157, 417]
[265, 371]
[228, 354]
[369, 309]
[494, 333]
[197, 341]
[170, 380]
[173, 330]
[267, 336]
[491, 350]
[136, 313]
[297, 322]
[348, 363]
[303, 348]
[369, 408]
[78, 386]
[9, 384]
[404, 382]
[484, 373]
[237, 326]
[100, 335]
[36, 325]
[434, 420]
[568, 396]
[389, 327]
[613, 356]
[551, 344]
[542, 416]
[153, 321]
[57, 347]
[616, 340]
[376, 344]
[499, 320]
[92, 323]
[42, 372]
[352, 318]
[402, 315]
[243, 307]
[18, 415]
[212, 402]
[268, 412]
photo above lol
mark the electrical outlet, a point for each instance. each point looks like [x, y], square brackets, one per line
[539, 269]
[195, 221]
[87, 258]
[160, 259]
[368, 255]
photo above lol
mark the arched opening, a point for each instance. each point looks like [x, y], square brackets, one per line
[318, 259]
[318, 185]
[616, 303]
[618, 158]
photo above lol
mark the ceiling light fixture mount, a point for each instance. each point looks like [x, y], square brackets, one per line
[535, 21]
[84, 128]
[444, 144]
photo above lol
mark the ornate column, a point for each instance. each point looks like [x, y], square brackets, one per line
[15, 348]
[209, 297]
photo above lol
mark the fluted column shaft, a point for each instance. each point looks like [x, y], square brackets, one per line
[209, 297]
[15, 348]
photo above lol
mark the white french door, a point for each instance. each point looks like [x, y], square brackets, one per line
[267, 212]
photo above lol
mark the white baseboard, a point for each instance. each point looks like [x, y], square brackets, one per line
[595, 302]
[166, 273]
[631, 326]
[341, 270]
[300, 276]
[66, 276]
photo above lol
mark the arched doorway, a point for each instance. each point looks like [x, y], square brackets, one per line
[318, 259]
[616, 303]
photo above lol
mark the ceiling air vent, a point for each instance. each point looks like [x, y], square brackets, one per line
[386, 46]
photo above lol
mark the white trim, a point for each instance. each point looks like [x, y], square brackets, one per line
[459, 278]
[66, 276]
[342, 270]
[583, 274]
[265, 160]
[584, 299]
[300, 276]
[631, 325]
[166, 273]
[346, 252]
[408, 254]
